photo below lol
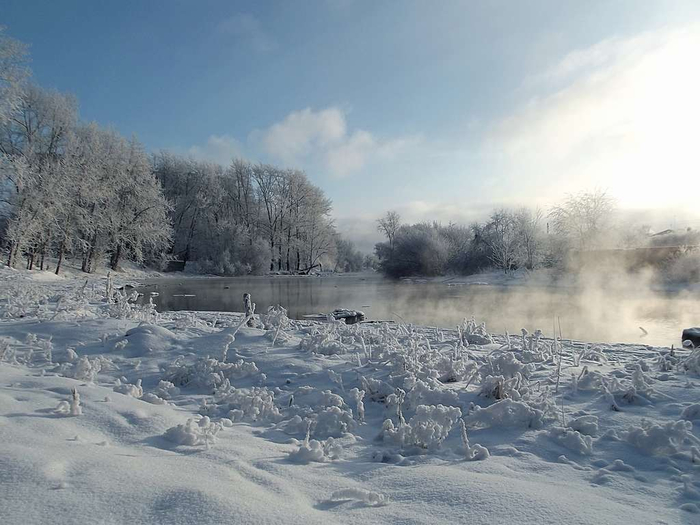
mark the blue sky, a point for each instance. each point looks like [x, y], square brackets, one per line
[437, 109]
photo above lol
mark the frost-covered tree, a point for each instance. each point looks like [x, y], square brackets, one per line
[13, 73]
[229, 220]
[584, 219]
[529, 230]
[348, 258]
[389, 225]
[502, 236]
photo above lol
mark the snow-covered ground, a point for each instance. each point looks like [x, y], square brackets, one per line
[112, 413]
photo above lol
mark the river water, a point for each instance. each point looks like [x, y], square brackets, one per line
[595, 315]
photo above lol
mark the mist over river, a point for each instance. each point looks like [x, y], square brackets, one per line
[595, 314]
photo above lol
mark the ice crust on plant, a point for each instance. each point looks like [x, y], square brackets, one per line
[207, 372]
[194, 432]
[427, 429]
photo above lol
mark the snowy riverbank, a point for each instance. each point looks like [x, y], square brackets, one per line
[188, 417]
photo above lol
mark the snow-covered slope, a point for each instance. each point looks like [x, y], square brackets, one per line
[112, 413]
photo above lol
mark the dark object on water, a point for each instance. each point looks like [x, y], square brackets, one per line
[692, 335]
[349, 316]
[339, 314]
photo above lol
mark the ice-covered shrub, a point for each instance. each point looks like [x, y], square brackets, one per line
[472, 333]
[313, 450]
[207, 372]
[332, 421]
[71, 407]
[153, 399]
[324, 340]
[505, 364]
[357, 396]
[501, 388]
[166, 390]
[660, 438]
[507, 413]
[376, 389]
[427, 429]
[194, 432]
[127, 389]
[589, 354]
[573, 440]
[453, 367]
[667, 361]
[475, 452]
[84, 369]
[587, 425]
[428, 392]
[253, 404]
[691, 364]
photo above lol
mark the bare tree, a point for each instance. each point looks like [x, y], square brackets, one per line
[389, 226]
[528, 224]
[584, 219]
[500, 234]
[13, 72]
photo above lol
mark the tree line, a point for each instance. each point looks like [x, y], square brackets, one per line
[508, 240]
[246, 218]
[74, 189]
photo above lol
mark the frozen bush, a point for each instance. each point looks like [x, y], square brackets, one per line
[194, 432]
[253, 404]
[376, 389]
[428, 392]
[472, 453]
[129, 390]
[660, 439]
[316, 451]
[332, 421]
[691, 364]
[207, 372]
[587, 425]
[357, 396]
[153, 399]
[427, 429]
[501, 388]
[472, 333]
[83, 369]
[166, 390]
[573, 440]
[507, 413]
[325, 341]
[505, 364]
[71, 407]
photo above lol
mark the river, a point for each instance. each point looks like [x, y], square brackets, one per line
[595, 315]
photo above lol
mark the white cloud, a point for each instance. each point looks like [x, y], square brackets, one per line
[303, 132]
[218, 148]
[322, 138]
[624, 120]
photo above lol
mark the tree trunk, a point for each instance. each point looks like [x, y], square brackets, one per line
[10, 258]
[115, 257]
[60, 256]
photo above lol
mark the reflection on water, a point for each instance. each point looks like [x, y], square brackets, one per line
[600, 315]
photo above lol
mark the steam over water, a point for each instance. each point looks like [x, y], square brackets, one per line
[601, 313]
